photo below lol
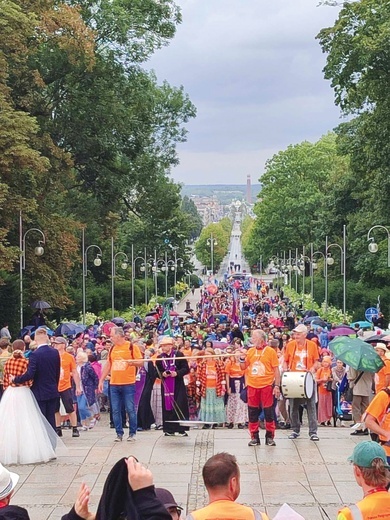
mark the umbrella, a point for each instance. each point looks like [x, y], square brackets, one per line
[40, 304]
[377, 337]
[315, 320]
[130, 325]
[190, 320]
[342, 330]
[106, 327]
[26, 330]
[356, 353]
[310, 313]
[362, 324]
[49, 331]
[149, 319]
[173, 313]
[69, 329]
[118, 321]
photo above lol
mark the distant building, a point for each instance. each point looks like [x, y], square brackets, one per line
[248, 189]
[208, 208]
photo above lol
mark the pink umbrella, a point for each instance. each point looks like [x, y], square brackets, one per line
[341, 331]
[106, 328]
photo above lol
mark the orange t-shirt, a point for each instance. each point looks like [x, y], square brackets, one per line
[211, 376]
[379, 408]
[225, 510]
[304, 358]
[122, 372]
[372, 507]
[68, 364]
[233, 369]
[323, 373]
[260, 367]
[380, 377]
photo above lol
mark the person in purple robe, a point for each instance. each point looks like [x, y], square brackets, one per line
[171, 368]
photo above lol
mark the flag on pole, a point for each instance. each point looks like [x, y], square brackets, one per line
[164, 326]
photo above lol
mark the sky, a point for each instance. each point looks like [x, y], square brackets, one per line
[253, 69]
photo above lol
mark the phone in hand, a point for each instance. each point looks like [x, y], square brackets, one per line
[168, 372]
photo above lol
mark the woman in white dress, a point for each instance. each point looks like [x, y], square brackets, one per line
[26, 436]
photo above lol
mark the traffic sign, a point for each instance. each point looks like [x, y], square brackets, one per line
[371, 312]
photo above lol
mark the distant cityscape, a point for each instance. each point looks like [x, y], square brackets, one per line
[215, 201]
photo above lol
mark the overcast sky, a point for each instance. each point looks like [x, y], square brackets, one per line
[253, 68]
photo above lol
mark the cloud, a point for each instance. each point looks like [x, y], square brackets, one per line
[254, 70]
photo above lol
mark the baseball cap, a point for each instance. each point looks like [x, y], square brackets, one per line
[367, 451]
[60, 339]
[166, 498]
[8, 482]
[300, 328]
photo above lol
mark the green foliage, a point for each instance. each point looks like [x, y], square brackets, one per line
[220, 234]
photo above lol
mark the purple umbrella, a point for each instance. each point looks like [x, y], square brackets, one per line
[130, 325]
[149, 319]
[343, 330]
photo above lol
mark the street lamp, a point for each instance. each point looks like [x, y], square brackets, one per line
[330, 261]
[176, 266]
[212, 242]
[97, 262]
[373, 246]
[124, 265]
[143, 269]
[39, 251]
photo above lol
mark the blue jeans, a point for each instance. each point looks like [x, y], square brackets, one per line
[123, 395]
[82, 405]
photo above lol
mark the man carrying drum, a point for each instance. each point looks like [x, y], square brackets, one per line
[263, 383]
[302, 356]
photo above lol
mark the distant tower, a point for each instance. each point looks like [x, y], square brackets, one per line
[248, 189]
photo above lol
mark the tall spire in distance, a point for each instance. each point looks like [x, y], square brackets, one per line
[248, 189]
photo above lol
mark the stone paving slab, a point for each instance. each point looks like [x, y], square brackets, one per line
[301, 472]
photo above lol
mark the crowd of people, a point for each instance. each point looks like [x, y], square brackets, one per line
[232, 362]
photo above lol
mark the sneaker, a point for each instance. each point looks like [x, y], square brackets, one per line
[270, 442]
[285, 426]
[358, 432]
[294, 435]
[75, 433]
[118, 438]
[314, 437]
[182, 434]
[230, 426]
[169, 434]
[85, 428]
[131, 438]
[241, 426]
[59, 432]
[254, 442]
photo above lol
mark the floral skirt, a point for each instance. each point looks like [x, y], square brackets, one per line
[212, 408]
[236, 409]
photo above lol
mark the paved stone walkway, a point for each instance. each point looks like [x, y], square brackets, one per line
[301, 472]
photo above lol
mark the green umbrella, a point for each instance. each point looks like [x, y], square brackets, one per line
[356, 353]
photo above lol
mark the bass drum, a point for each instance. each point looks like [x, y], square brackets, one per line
[297, 385]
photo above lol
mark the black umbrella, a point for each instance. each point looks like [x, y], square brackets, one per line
[375, 337]
[40, 304]
[310, 313]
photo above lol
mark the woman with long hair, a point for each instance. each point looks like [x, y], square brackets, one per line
[86, 402]
[211, 384]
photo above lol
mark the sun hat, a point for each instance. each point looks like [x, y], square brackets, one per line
[380, 346]
[367, 451]
[8, 482]
[300, 328]
[166, 340]
[60, 339]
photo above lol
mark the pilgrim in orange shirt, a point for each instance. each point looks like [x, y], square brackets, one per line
[260, 367]
[122, 372]
[304, 357]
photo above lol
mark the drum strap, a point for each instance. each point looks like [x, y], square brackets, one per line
[293, 356]
[355, 512]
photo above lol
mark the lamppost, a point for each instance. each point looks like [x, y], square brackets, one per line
[97, 262]
[176, 265]
[373, 246]
[212, 242]
[39, 251]
[113, 271]
[330, 261]
[143, 269]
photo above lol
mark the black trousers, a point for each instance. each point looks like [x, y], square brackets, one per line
[48, 409]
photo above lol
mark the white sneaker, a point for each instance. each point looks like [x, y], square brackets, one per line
[131, 438]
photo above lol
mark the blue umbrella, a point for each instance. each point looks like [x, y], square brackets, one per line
[26, 330]
[362, 324]
[69, 329]
[119, 321]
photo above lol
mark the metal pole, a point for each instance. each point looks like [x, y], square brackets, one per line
[166, 274]
[155, 272]
[289, 270]
[326, 273]
[296, 270]
[132, 278]
[175, 276]
[303, 276]
[344, 269]
[83, 251]
[146, 278]
[261, 264]
[212, 254]
[112, 277]
[21, 267]
[311, 272]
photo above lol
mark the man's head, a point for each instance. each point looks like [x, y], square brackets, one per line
[8, 483]
[60, 343]
[117, 334]
[18, 344]
[221, 475]
[4, 343]
[259, 338]
[300, 333]
[41, 337]
[370, 464]
[166, 344]
[166, 498]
